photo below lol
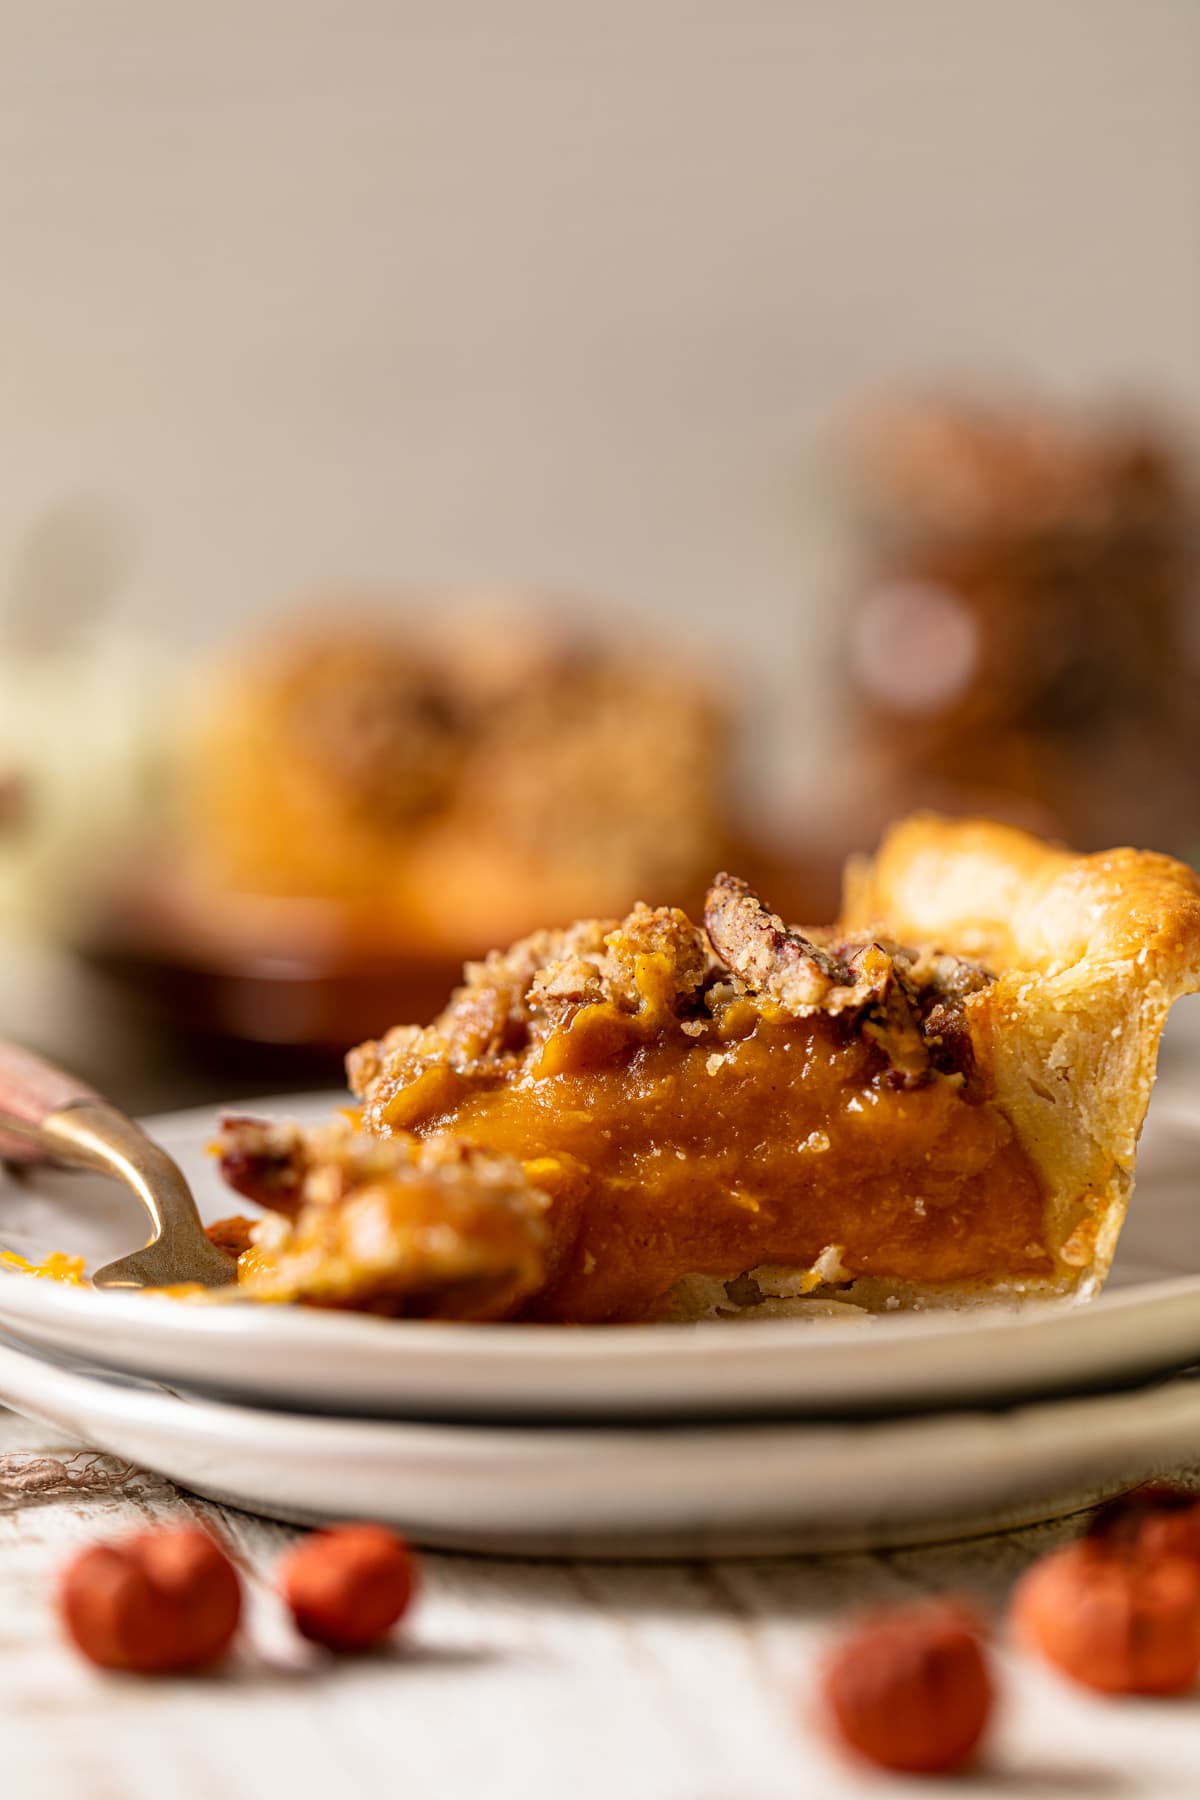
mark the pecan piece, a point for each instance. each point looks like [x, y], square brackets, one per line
[266, 1162]
[775, 959]
[909, 1002]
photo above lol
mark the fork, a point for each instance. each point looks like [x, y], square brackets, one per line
[49, 1116]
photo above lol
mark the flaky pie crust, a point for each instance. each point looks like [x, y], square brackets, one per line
[1090, 952]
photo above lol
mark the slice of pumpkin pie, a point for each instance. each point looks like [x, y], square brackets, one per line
[935, 1101]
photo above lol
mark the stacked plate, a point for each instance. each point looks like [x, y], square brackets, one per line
[757, 1437]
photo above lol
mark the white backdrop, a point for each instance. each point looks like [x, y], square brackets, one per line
[556, 291]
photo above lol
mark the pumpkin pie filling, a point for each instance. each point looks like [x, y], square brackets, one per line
[757, 1139]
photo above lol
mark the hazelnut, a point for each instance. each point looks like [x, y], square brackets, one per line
[911, 1690]
[156, 1603]
[1172, 1533]
[349, 1585]
[1158, 1519]
[1121, 1621]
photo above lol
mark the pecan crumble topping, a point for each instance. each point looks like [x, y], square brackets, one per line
[656, 964]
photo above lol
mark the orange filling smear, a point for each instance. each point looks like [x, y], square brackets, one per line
[58, 1266]
[763, 1139]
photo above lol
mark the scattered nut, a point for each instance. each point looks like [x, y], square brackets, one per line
[1174, 1532]
[156, 1603]
[911, 1689]
[1120, 1621]
[1158, 1519]
[349, 1585]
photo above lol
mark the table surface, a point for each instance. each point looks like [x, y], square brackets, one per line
[547, 1681]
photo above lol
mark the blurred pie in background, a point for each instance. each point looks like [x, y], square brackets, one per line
[442, 784]
[1024, 638]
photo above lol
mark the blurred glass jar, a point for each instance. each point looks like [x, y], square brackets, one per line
[81, 735]
[85, 705]
[1022, 639]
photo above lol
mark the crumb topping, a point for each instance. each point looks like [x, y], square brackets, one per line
[656, 966]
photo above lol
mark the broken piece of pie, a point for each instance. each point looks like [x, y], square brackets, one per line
[936, 1101]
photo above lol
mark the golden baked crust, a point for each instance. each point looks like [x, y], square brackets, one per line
[1090, 952]
[935, 1101]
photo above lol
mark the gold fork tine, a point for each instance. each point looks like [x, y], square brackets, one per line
[47, 1115]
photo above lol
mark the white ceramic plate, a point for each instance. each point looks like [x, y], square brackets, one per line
[1147, 1322]
[654, 1490]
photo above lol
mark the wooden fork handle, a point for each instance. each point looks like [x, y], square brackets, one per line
[30, 1091]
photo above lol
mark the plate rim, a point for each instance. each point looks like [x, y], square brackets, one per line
[55, 1314]
[647, 1492]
